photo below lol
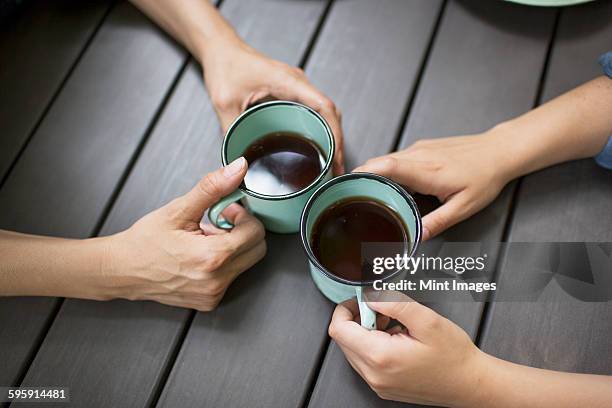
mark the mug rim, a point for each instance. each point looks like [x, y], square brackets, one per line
[328, 162]
[350, 176]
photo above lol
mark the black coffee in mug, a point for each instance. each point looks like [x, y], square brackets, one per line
[339, 232]
[282, 163]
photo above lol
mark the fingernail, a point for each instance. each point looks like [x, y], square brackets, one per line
[426, 234]
[234, 167]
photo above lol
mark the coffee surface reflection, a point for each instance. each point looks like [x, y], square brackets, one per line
[282, 163]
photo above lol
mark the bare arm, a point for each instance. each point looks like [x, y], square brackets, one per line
[512, 385]
[466, 173]
[45, 266]
[237, 75]
[576, 125]
[166, 256]
[194, 23]
[432, 361]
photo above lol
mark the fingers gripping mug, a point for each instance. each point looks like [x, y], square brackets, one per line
[278, 213]
[363, 187]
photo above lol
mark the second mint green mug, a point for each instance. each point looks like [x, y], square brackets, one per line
[278, 213]
[379, 188]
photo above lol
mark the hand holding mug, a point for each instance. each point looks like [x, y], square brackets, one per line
[465, 173]
[237, 76]
[170, 257]
[432, 362]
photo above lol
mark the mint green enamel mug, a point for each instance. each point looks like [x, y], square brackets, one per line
[379, 188]
[278, 213]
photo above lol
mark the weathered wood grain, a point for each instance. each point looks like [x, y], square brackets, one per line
[565, 203]
[38, 47]
[68, 173]
[136, 341]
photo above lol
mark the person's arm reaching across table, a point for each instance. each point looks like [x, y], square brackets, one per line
[235, 74]
[434, 362]
[466, 173]
[167, 256]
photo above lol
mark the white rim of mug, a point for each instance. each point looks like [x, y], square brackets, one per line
[351, 176]
[250, 111]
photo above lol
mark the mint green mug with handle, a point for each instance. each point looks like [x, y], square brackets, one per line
[278, 213]
[368, 185]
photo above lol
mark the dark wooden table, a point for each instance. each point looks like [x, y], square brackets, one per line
[104, 118]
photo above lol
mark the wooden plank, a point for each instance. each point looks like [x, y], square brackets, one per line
[255, 313]
[460, 93]
[38, 47]
[265, 341]
[112, 360]
[565, 203]
[584, 34]
[64, 179]
[462, 83]
[367, 61]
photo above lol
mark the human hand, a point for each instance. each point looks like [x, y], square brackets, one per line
[432, 362]
[170, 257]
[237, 76]
[465, 173]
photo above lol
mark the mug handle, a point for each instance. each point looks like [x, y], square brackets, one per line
[217, 208]
[367, 315]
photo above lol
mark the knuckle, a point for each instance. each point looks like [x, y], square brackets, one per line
[431, 322]
[199, 274]
[384, 396]
[210, 184]
[217, 260]
[389, 163]
[439, 222]
[230, 246]
[207, 307]
[223, 99]
[375, 381]
[174, 210]
[215, 289]
[327, 104]
[339, 144]
[379, 358]
[332, 330]
[259, 232]
[262, 251]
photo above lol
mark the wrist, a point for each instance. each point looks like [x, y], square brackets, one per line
[99, 255]
[74, 268]
[213, 48]
[105, 256]
[512, 150]
[129, 267]
[481, 389]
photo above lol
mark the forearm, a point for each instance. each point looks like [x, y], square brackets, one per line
[44, 266]
[573, 126]
[505, 384]
[195, 23]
